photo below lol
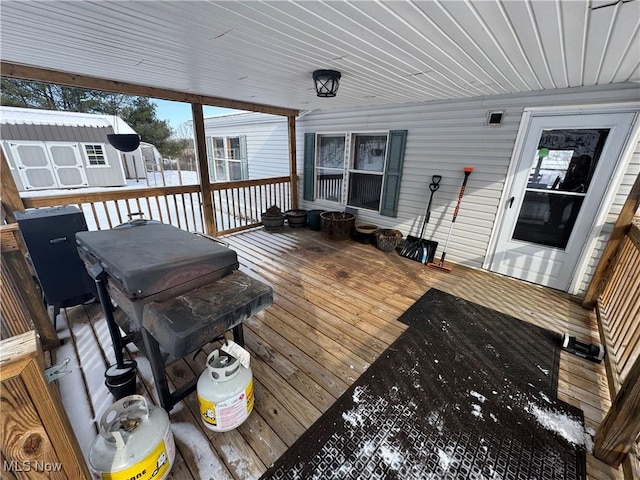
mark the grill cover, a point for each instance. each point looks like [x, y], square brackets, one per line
[156, 260]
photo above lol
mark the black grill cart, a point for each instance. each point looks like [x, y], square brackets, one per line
[179, 291]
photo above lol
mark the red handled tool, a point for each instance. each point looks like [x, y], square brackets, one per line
[440, 265]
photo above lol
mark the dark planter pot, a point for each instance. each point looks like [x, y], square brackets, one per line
[272, 223]
[363, 233]
[337, 225]
[296, 218]
[313, 219]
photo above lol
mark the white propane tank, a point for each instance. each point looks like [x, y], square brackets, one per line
[135, 441]
[225, 392]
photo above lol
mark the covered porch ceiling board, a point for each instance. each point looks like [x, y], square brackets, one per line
[388, 52]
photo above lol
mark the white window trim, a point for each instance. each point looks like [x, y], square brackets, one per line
[85, 155]
[348, 162]
[225, 158]
[352, 160]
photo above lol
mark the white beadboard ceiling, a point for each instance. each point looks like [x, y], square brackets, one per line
[388, 51]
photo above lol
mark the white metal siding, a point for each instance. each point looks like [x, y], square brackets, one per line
[267, 141]
[443, 137]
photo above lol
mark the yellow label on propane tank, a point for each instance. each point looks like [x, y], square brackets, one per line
[230, 412]
[153, 466]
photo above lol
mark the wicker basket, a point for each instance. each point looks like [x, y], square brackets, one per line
[337, 225]
[387, 239]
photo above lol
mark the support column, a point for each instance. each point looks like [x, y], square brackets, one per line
[203, 169]
[293, 169]
[11, 200]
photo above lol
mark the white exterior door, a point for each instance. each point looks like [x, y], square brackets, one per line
[67, 164]
[565, 166]
[33, 165]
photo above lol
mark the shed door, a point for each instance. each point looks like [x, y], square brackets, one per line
[566, 164]
[33, 165]
[67, 164]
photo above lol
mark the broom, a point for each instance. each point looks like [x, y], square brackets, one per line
[440, 265]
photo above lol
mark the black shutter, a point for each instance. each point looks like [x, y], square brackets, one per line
[309, 165]
[393, 173]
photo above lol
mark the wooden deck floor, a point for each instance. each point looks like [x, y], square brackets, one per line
[334, 312]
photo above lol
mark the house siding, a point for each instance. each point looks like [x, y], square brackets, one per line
[267, 141]
[443, 137]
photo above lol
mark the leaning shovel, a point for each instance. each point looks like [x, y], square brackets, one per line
[417, 248]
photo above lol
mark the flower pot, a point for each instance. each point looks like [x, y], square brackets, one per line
[313, 219]
[387, 239]
[296, 218]
[273, 222]
[337, 225]
[363, 233]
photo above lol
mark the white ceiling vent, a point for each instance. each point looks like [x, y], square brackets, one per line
[494, 118]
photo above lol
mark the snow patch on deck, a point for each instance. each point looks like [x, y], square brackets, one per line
[190, 438]
[571, 429]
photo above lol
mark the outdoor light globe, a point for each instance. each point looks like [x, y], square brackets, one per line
[326, 82]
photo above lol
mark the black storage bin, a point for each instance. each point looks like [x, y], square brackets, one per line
[50, 236]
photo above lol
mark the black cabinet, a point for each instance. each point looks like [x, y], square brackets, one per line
[50, 236]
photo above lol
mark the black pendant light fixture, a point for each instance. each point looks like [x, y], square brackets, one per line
[327, 82]
[124, 142]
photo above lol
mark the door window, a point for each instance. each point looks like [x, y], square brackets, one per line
[559, 179]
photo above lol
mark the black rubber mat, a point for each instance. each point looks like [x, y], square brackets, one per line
[447, 401]
[526, 353]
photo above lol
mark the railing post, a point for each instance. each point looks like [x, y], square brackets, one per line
[21, 305]
[621, 426]
[11, 200]
[293, 169]
[203, 169]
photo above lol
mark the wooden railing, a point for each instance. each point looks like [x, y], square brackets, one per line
[618, 310]
[237, 205]
[21, 307]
